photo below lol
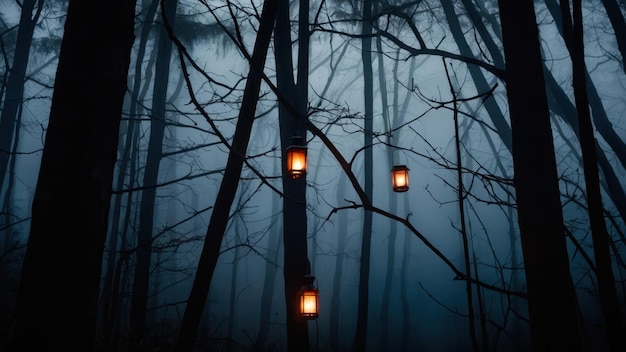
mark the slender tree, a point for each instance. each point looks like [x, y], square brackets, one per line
[141, 278]
[269, 277]
[57, 297]
[228, 187]
[393, 201]
[461, 203]
[573, 31]
[360, 336]
[125, 148]
[14, 90]
[334, 333]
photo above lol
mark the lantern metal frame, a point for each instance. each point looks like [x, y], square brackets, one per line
[309, 298]
[400, 173]
[297, 158]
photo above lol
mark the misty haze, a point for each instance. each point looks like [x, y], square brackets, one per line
[313, 175]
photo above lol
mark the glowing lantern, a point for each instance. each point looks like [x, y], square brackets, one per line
[309, 298]
[400, 178]
[296, 158]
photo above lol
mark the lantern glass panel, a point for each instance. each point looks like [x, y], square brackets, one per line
[296, 161]
[309, 303]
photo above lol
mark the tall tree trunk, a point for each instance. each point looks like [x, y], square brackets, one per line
[550, 291]
[599, 234]
[393, 203]
[335, 332]
[71, 202]
[404, 286]
[461, 204]
[228, 187]
[296, 264]
[398, 118]
[124, 149]
[360, 336]
[232, 304]
[481, 309]
[141, 279]
[14, 90]
[269, 278]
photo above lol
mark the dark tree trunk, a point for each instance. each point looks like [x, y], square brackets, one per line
[399, 112]
[232, 304]
[404, 286]
[269, 278]
[141, 278]
[461, 203]
[228, 187]
[296, 264]
[57, 297]
[393, 204]
[550, 291]
[124, 149]
[599, 234]
[360, 336]
[335, 332]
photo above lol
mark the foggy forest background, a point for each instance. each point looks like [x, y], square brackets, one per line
[173, 226]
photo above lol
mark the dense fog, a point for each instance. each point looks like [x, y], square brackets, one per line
[434, 110]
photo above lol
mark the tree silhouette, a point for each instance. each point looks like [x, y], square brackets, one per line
[57, 297]
[551, 296]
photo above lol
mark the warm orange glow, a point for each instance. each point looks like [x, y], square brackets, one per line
[400, 178]
[309, 299]
[296, 161]
[308, 303]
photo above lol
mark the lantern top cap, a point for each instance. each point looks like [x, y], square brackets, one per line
[396, 167]
[297, 141]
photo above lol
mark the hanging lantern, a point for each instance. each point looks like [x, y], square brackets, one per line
[309, 298]
[296, 158]
[400, 178]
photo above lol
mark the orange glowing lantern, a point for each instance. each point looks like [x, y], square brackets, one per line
[400, 178]
[309, 299]
[296, 158]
